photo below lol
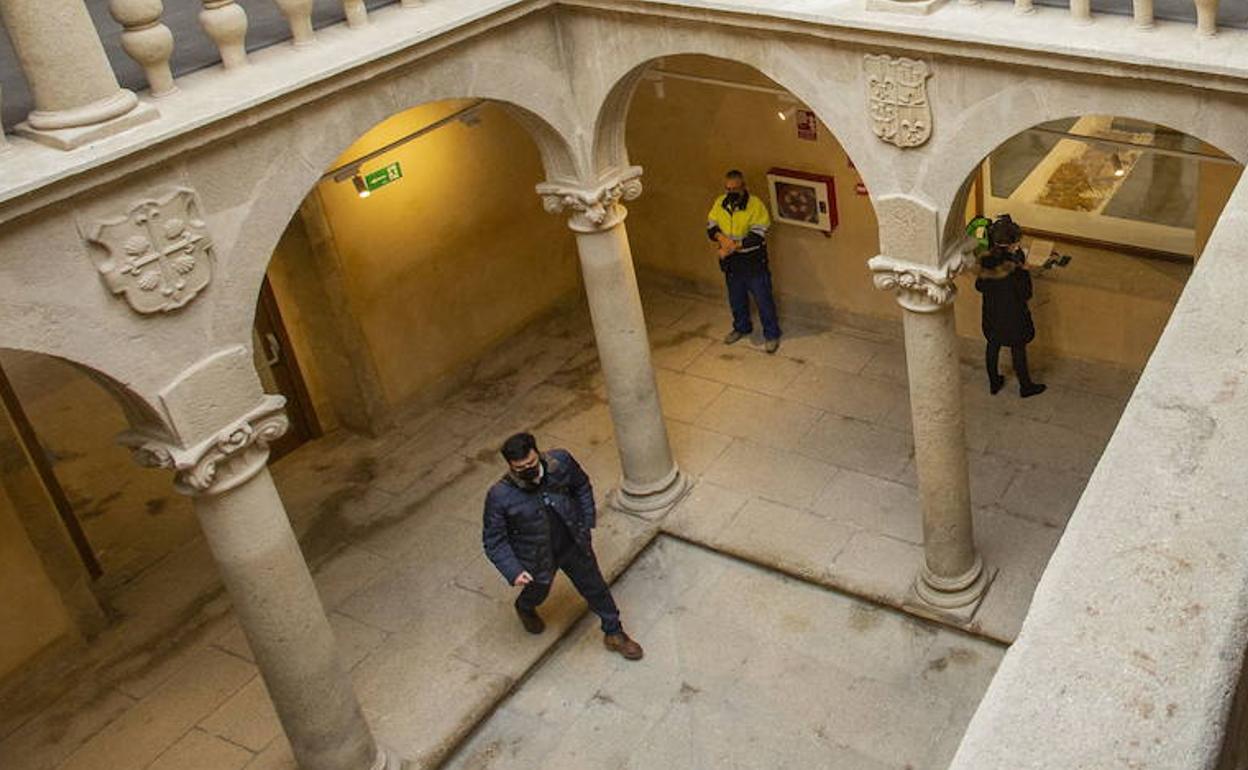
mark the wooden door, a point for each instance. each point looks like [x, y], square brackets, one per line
[279, 371]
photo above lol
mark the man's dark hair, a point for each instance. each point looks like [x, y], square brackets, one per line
[734, 174]
[518, 446]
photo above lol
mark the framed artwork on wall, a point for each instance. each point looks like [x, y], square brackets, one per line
[803, 199]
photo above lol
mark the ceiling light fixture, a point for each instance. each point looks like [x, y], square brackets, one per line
[1118, 169]
[361, 187]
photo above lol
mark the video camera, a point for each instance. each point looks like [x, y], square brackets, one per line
[1041, 255]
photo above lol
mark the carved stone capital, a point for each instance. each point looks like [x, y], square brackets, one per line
[593, 209]
[919, 288]
[220, 462]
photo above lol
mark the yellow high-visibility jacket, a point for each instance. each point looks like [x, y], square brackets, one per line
[747, 226]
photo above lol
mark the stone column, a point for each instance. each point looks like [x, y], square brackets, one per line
[270, 587]
[77, 98]
[953, 579]
[1081, 10]
[651, 480]
[1142, 10]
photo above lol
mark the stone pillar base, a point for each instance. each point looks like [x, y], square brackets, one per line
[76, 136]
[651, 501]
[950, 601]
[388, 760]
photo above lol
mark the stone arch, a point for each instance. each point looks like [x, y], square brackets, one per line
[782, 65]
[958, 149]
[322, 135]
[138, 410]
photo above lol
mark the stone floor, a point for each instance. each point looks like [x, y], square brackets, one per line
[802, 463]
[745, 668]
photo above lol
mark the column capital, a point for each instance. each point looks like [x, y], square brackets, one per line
[220, 462]
[597, 208]
[923, 288]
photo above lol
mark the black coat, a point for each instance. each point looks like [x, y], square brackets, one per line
[516, 533]
[1006, 318]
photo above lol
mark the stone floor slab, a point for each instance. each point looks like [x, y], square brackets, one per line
[706, 694]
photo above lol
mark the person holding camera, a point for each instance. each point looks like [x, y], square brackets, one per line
[1005, 284]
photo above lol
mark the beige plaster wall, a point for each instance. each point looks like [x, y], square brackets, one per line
[1103, 306]
[687, 140]
[31, 613]
[455, 256]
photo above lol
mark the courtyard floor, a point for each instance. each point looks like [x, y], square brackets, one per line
[784, 566]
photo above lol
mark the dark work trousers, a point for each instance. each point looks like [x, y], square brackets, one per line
[582, 569]
[756, 281]
[1018, 354]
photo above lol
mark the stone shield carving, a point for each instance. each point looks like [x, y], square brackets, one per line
[158, 255]
[897, 98]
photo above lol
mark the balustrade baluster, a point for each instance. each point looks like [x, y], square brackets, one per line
[411, 3]
[1143, 13]
[298, 15]
[357, 13]
[1207, 17]
[1024, 6]
[225, 21]
[146, 40]
[1081, 10]
[4, 143]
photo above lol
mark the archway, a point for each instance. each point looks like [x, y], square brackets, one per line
[1130, 203]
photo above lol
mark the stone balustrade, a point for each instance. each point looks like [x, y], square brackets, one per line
[1143, 11]
[77, 98]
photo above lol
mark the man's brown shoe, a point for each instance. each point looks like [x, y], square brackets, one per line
[531, 621]
[624, 645]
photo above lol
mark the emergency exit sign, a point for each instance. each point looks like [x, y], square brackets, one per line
[383, 176]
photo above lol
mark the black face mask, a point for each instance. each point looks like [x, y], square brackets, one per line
[734, 199]
[529, 475]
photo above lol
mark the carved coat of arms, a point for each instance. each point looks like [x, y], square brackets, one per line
[897, 94]
[158, 255]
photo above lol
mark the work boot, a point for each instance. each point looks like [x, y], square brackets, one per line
[1031, 389]
[995, 384]
[622, 644]
[771, 346]
[531, 621]
[732, 336]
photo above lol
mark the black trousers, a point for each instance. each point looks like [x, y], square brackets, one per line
[582, 569]
[1018, 355]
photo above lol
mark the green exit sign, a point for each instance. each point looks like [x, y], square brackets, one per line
[383, 176]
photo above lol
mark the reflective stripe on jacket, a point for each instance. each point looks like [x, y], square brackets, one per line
[741, 223]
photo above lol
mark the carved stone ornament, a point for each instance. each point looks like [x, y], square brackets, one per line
[596, 208]
[919, 288]
[158, 255]
[221, 462]
[897, 99]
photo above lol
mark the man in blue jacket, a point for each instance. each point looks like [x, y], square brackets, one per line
[538, 519]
